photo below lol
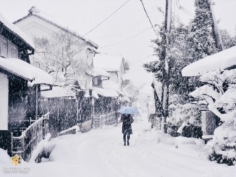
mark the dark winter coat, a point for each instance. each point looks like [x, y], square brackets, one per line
[127, 121]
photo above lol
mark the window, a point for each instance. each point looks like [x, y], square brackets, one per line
[4, 46]
[13, 51]
[97, 81]
[7, 49]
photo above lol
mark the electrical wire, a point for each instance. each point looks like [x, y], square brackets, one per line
[121, 33]
[126, 39]
[148, 17]
[186, 9]
[189, 13]
[183, 9]
[106, 18]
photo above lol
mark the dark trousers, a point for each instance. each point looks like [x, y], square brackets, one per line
[124, 136]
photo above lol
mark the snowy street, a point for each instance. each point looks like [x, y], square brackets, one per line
[70, 69]
[100, 152]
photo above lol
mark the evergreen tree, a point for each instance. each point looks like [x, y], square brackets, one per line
[201, 40]
[176, 55]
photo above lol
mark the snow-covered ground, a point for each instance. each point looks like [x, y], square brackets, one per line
[100, 153]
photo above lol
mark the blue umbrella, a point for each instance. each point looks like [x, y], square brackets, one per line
[128, 110]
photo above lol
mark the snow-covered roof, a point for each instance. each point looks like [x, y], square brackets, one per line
[16, 30]
[107, 84]
[108, 62]
[218, 61]
[58, 92]
[34, 11]
[125, 98]
[26, 71]
[105, 92]
[98, 72]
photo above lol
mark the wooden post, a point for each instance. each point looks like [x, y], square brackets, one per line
[92, 117]
[77, 110]
[101, 116]
[36, 99]
[23, 146]
[11, 151]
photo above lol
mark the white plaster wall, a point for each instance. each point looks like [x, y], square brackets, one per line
[113, 77]
[116, 77]
[33, 26]
[3, 102]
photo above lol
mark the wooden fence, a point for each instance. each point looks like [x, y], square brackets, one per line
[24, 145]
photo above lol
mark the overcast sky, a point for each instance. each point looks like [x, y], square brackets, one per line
[123, 33]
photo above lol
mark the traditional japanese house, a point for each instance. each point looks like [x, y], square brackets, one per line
[21, 125]
[37, 24]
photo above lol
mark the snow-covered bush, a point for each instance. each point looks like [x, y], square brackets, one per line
[223, 146]
[219, 92]
[182, 117]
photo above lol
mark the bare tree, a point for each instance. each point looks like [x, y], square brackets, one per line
[63, 56]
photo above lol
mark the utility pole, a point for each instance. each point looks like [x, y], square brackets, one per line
[218, 39]
[166, 75]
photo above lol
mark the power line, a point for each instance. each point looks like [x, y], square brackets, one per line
[148, 17]
[122, 33]
[183, 9]
[230, 31]
[190, 13]
[125, 39]
[106, 18]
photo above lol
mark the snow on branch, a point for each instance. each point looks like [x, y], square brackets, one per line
[206, 91]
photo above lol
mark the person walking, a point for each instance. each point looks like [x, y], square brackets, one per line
[127, 120]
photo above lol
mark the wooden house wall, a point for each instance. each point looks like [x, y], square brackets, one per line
[105, 105]
[85, 109]
[62, 113]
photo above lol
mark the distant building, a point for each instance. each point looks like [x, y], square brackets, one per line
[112, 64]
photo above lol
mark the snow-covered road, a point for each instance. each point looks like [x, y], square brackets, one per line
[100, 153]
